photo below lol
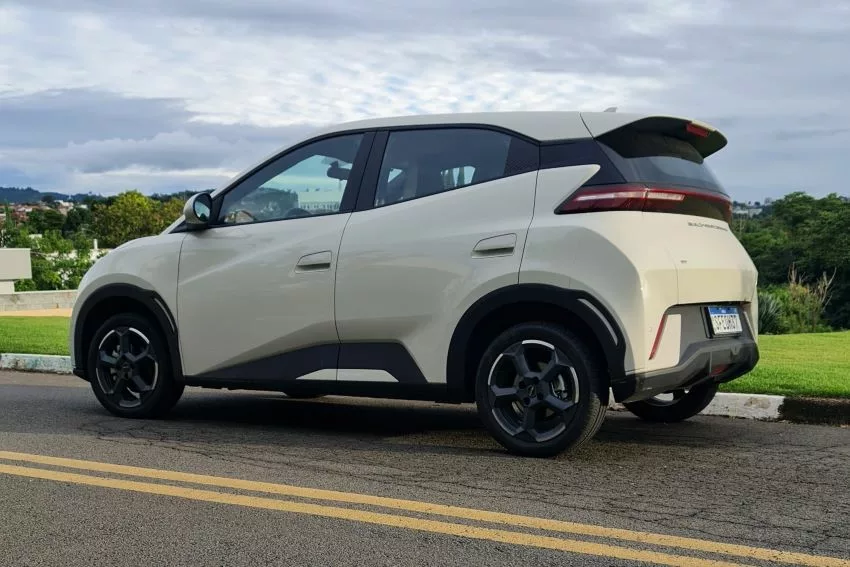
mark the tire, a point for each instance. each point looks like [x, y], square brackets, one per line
[684, 405]
[125, 346]
[567, 407]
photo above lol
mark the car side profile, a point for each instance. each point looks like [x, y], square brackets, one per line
[534, 263]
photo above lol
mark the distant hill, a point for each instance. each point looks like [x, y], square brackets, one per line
[27, 195]
[18, 195]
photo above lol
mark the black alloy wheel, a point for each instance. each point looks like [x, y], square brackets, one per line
[540, 390]
[533, 390]
[130, 370]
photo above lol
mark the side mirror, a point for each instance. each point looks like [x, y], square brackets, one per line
[198, 210]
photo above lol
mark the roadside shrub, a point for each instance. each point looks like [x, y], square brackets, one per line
[802, 303]
[770, 314]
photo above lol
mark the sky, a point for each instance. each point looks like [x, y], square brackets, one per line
[164, 95]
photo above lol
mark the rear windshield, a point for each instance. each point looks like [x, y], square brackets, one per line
[658, 159]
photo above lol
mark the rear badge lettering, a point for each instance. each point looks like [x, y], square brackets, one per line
[706, 225]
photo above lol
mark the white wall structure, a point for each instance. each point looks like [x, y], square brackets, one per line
[14, 265]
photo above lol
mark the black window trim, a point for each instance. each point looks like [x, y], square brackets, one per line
[369, 183]
[349, 196]
[362, 197]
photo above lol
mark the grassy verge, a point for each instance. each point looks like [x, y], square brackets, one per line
[791, 365]
[816, 364]
[34, 335]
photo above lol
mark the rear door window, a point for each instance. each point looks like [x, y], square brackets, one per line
[422, 162]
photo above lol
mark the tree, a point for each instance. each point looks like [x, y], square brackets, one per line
[43, 220]
[129, 216]
[8, 229]
[78, 220]
[810, 234]
[168, 212]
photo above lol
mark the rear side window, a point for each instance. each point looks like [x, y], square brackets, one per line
[422, 162]
[657, 159]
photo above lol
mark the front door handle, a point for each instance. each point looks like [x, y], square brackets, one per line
[315, 262]
[502, 245]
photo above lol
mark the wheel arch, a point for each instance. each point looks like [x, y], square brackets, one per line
[577, 310]
[118, 298]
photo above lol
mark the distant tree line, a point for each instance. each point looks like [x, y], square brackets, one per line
[801, 247]
[61, 244]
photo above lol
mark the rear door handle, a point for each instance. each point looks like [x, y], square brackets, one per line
[502, 245]
[315, 262]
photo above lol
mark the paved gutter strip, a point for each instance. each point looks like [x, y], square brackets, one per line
[816, 410]
[746, 406]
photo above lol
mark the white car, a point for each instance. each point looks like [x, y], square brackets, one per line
[531, 262]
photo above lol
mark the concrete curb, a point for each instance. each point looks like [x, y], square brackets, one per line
[746, 406]
[832, 411]
[36, 363]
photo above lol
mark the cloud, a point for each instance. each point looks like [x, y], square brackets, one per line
[74, 136]
[169, 92]
[77, 115]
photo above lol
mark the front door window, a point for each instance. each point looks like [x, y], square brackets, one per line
[309, 181]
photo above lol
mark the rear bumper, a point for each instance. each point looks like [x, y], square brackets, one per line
[713, 360]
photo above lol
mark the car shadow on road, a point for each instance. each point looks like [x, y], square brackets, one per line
[273, 420]
[429, 426]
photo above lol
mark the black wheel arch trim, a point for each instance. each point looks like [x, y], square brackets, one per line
[150, 299]
[583, 305]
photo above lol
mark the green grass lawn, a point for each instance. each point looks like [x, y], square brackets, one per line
[34, 335]
[799, 365]
[791, 365]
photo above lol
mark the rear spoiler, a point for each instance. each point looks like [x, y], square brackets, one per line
[704, 138]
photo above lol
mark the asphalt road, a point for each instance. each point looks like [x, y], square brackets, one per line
[731, 491]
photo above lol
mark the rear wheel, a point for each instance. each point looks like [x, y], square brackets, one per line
[674, 406]
[540, 390]
[130, 369]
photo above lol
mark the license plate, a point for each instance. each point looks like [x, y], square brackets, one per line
[725, 321]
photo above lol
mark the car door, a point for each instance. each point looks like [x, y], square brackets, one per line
[256, 289]
[441, 221]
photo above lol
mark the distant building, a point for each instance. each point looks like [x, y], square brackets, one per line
[21, 212]
[747, 211]
[319, 199]
[64, 207]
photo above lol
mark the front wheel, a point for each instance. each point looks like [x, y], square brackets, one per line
[540, 390]
[130, 369]
[674, 406]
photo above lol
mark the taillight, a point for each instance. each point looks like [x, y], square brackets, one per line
[638, 197]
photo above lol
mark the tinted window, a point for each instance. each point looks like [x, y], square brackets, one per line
[581, 152]
[655, 158]
[308, 181]
[418, 163]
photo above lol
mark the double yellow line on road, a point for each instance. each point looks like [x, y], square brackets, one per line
[401, 521]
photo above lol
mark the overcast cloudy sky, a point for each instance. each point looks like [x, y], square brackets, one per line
[107, 95]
